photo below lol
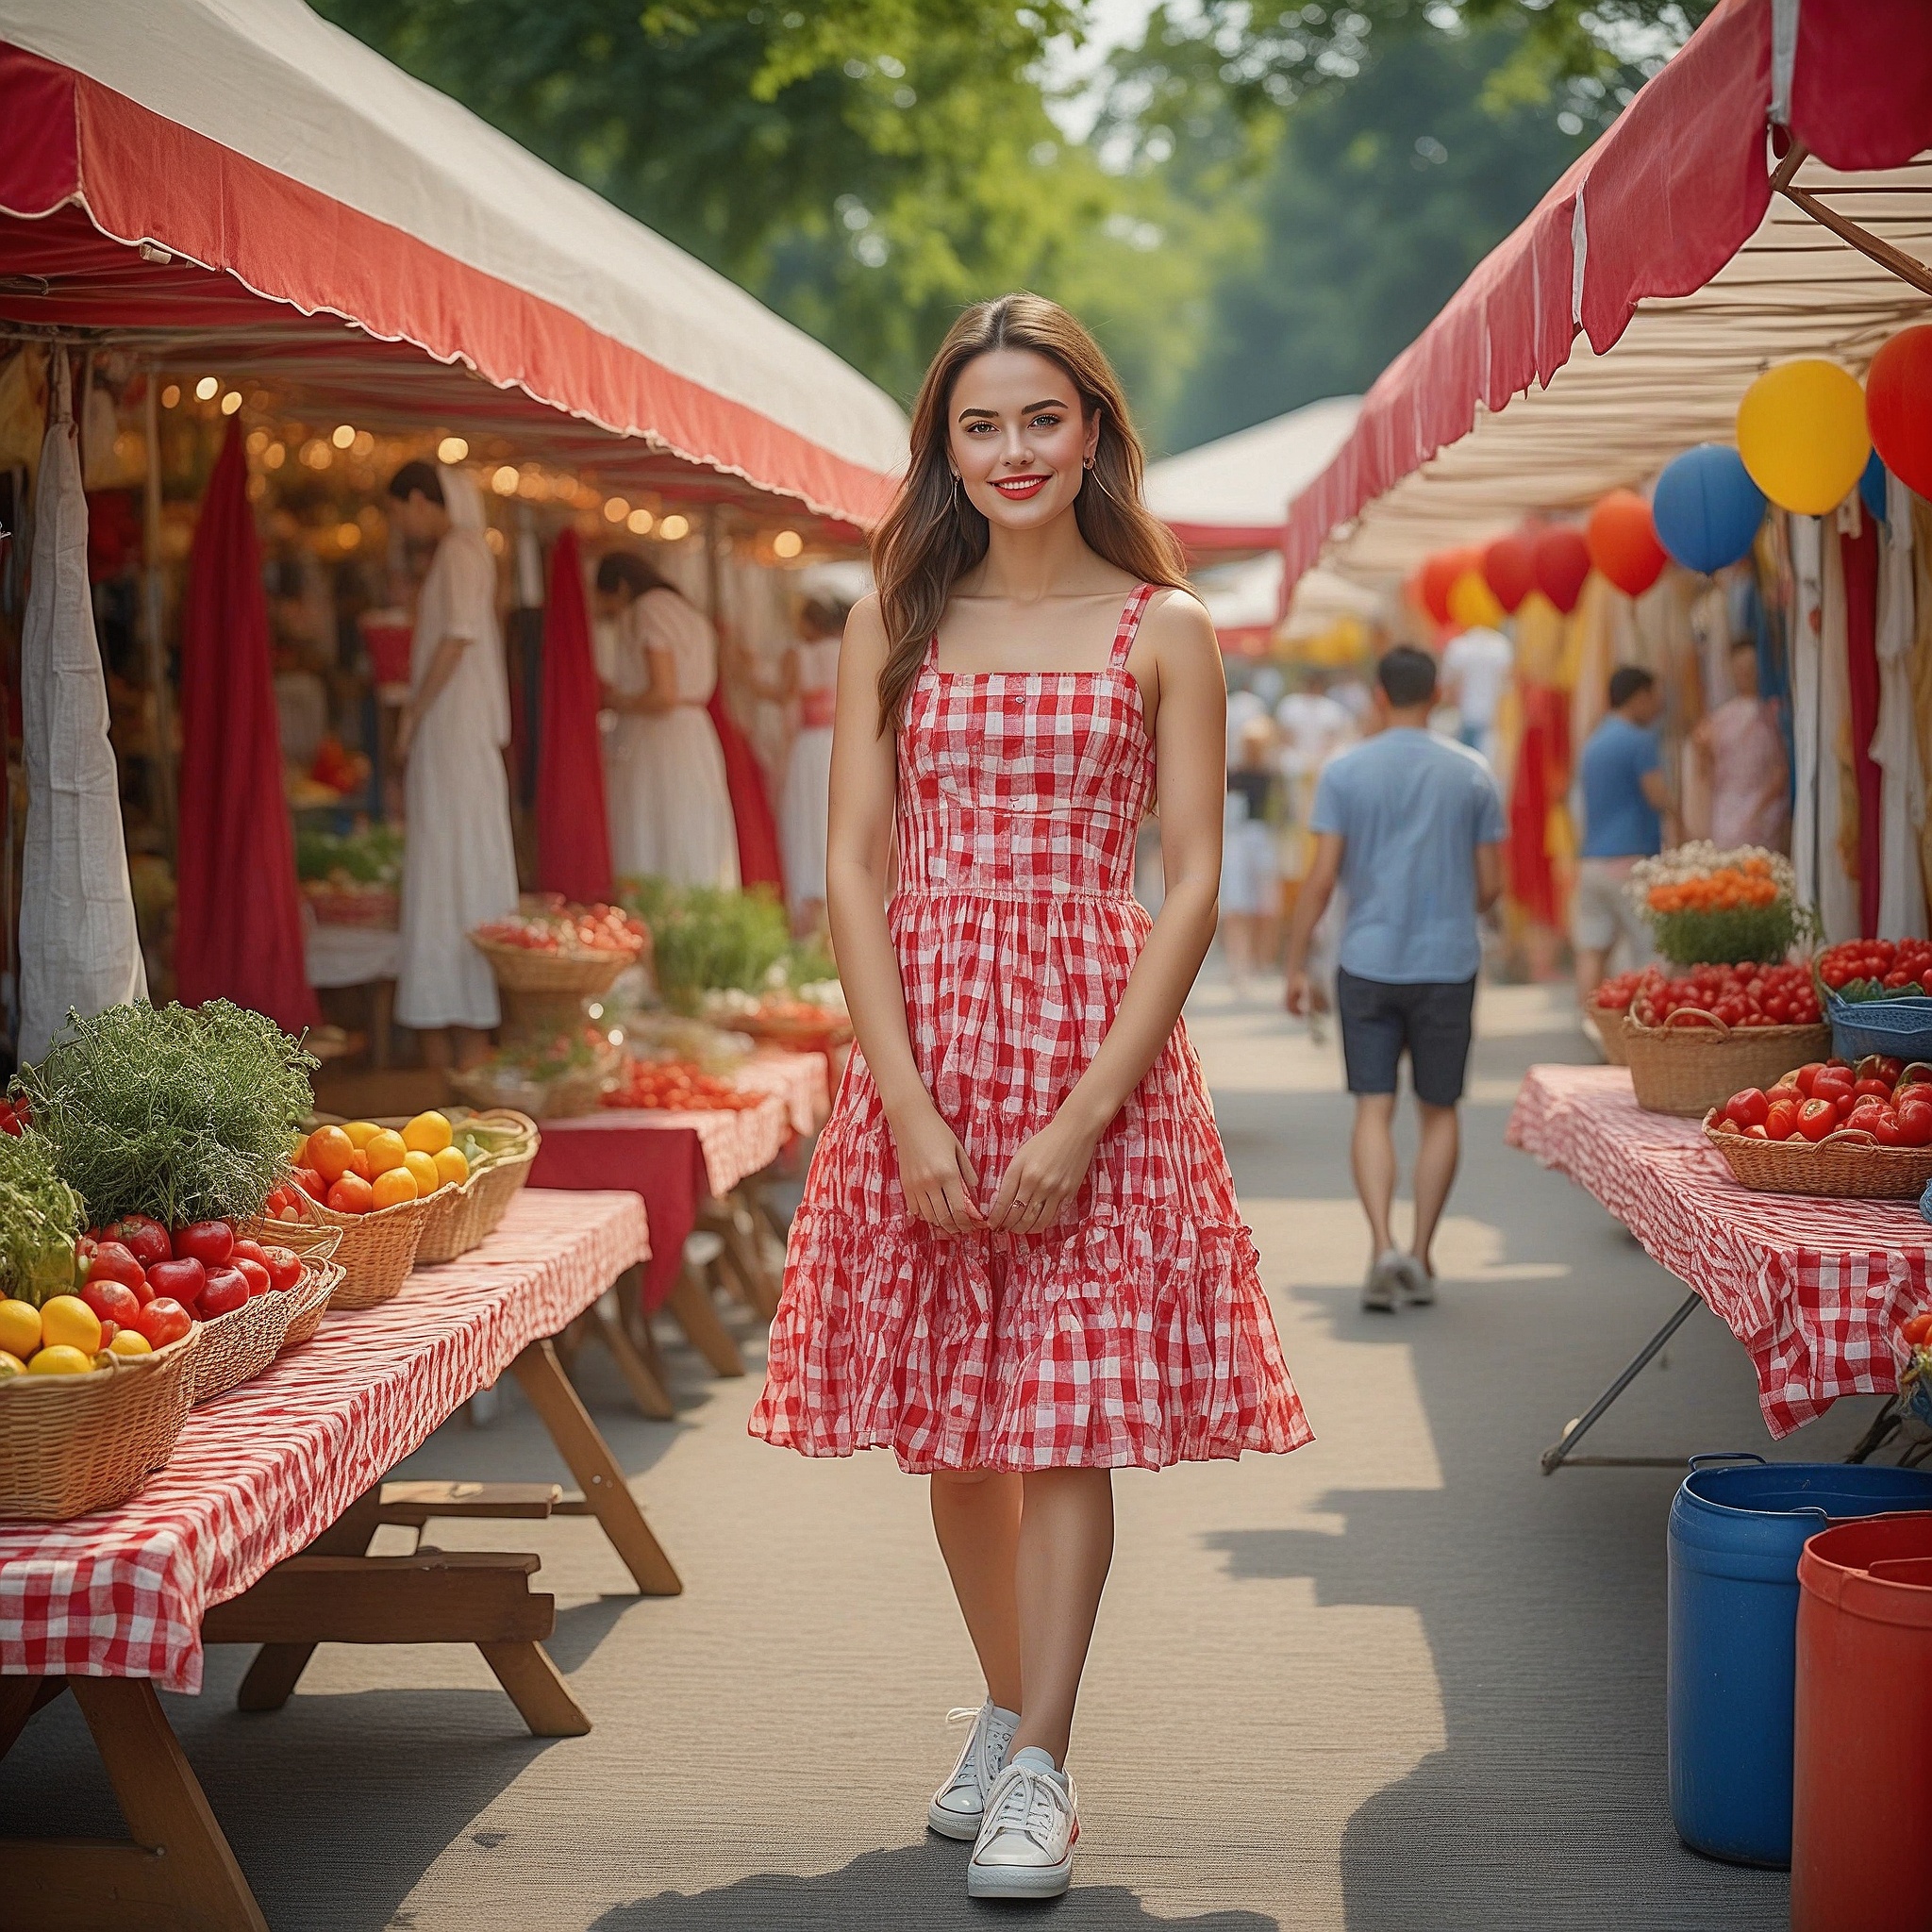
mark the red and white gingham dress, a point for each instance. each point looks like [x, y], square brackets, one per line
[1134, 1332]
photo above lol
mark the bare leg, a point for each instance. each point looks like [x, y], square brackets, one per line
[433, 1043]
[1066, 1545]
[471, 1046]
[1372, 1156]
[975, 1515]
[1435, 1171]
[1591, 963]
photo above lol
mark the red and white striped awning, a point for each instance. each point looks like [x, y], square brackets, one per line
[1664, 239]
[240, 174]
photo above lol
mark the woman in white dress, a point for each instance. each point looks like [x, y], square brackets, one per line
[461, 865]
[663, 767]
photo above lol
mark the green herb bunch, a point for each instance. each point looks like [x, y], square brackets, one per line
[372, 856]
[704, 937]
[186, 1113]
[39, 1215]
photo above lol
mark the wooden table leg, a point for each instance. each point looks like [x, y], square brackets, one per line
[591, 1461]
[690, 1301]
[536, 1686]
[271, 1680]
[639, 1378]
[178, 1876]
[731, 1221]
[20, 1697]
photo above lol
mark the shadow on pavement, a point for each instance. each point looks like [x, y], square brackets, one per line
[922, 1885]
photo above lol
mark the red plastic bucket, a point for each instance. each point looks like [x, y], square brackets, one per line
[1862, 1794]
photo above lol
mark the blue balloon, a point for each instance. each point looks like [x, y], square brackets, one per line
[1872, 486]
[1707, 509]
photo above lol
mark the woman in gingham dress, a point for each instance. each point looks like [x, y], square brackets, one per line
[1019, 1264]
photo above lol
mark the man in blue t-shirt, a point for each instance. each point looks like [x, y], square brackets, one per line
[1621, 778]
[1411, 826]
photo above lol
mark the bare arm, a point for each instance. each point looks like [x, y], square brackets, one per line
[933, 1172]
[442, 667]
[1190, 732]
[1310, 905]
[1488, 876]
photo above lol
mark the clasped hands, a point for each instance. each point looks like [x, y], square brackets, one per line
[941, 1187]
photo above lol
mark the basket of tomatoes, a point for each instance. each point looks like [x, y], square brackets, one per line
[677, 1087]
[1861, 1133]
[551, 947]
[1878, 997]
[1610, 1008]
[1696, 1039]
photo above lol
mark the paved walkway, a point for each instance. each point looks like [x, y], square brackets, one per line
[1398, 1682]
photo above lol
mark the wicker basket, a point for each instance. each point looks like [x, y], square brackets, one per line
[375, 1251]
[1694, 1062]
[467, 1216]
[519, 969]
[1848, 1165]
[237, 1346]
[70, 1444]
[1610, 1022]
[309, 1299]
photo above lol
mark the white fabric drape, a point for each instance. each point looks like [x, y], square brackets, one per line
[1895, 744]
[1838, 891]
[1805, 543]
[78, 945]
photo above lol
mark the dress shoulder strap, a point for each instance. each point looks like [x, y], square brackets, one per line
[1129, 626]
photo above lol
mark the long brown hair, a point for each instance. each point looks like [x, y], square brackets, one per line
[932, 536]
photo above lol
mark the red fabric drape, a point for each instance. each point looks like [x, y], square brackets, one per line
[572, 831]
[238, 920]
[1859, 556]
[1542, 769]
[757, 832]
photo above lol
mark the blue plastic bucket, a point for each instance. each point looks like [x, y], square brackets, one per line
[1901, 1028]
[1738, 1527]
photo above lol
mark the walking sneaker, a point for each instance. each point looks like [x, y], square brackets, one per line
[960, 1802]
[1385, 1277]
[1025, 1848]
[1417, 1284]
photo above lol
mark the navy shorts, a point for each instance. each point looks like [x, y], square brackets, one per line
[1431, 1020]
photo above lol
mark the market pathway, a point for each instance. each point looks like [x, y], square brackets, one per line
[1398, 1682]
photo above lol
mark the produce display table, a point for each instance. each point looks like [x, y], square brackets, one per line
[255, 1531]
[803, 1080]
[1814, 1289]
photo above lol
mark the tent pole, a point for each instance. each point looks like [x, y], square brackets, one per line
[1907, 268]
[162, 770]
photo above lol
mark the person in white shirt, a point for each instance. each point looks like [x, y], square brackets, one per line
[1475, 672]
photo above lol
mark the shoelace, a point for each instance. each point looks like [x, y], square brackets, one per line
[978, 1769]
[1032, 1803]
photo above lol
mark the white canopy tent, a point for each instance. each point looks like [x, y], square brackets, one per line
[1231, 494]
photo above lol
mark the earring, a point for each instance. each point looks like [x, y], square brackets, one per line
[1088, 465]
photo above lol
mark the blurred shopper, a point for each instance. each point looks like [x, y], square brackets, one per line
[1250, 865]
[1742, 752]
[1313, 726]
[1475, 674]
[1624, 800]
[461, 866]
[1413, 826]
[663, 767]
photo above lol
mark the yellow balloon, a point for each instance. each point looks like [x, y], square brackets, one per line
[1801, 431]
[1472, 602]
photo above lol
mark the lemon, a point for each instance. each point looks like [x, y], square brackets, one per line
[451, 1166]
[130, 1341]
[60, 1360]
[428, 1133]
[10, 1365]
[66, 1321]
[385, 1150]
[394, 1185]
[360, 1133]
[20, 1329]
[423, 1168]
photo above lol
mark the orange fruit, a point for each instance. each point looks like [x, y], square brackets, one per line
[130, 1341]
[392, 1186]
[423, 1168]
[362, 1132]
[352, 1194]
[66, 1321]
[60, 1360]
[20, 1329]
[330, 1151]
[385, 1151]
[359, 1164]
[451, 1166]
[428, 1133]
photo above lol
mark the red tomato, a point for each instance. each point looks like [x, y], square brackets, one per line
[284, 1268]
[1917, 1330]
[143, 1238]
[311, 1183]
[1912, 1089]
[1866, 1114]
[111, 1300]
[1887, 1131]
[1803, 1078]
[211, 1243]
[226, 1289]
[254, 1272]
[1816, 1119]
[1748, 1108]
[1880, 1066]
[1918, 1070]
[1834, 1083]
[182, 1280]
[1869, 1087]
[165, 1320]
[252, 1251]
[1915, 1123]
[1782, 1121]
[112, 1261]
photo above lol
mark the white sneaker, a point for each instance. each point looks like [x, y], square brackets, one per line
[960, 1802]
[1417, 1284]
[1385, 1275]
[1025, 1848]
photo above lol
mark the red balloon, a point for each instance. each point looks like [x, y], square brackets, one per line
[1622, 542]
[1562, 562]
[1438, 572]
[1898, 406]
[1509, 568]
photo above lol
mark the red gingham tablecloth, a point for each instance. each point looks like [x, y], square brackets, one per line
[1814, 1289]
[800, 1079]
[261, 1471]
